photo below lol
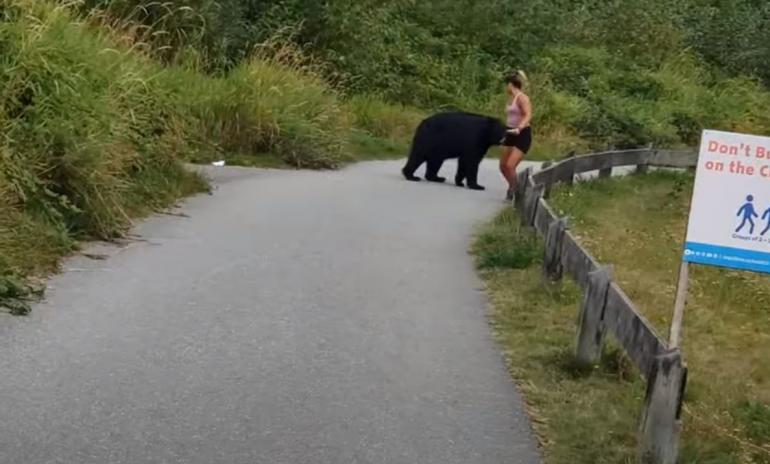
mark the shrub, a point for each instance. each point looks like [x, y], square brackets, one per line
[497, 248]
[82, 120]
[95, 129]
[392, 121]
[271, 104]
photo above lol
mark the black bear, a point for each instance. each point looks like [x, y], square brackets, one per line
[461, 135]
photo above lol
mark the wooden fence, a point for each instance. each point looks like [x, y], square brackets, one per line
[606, 309]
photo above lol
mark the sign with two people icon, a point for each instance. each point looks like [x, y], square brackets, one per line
[747, 213]
[732, 181]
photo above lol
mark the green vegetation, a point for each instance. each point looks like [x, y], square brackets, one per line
[86, 141]
[103, 98]
[382, 129]
[579, 417]
[95, 130]
[636, 224]
[622, 73]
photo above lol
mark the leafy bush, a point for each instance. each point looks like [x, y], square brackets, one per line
[603, 73]
[392, 121]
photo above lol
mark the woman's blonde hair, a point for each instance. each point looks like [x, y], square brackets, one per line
[516, 79]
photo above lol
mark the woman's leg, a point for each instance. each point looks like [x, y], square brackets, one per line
[511, 164]
[504, 160]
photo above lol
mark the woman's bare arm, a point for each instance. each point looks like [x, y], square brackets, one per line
[526, 111]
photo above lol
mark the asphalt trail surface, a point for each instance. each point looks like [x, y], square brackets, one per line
[290, 317]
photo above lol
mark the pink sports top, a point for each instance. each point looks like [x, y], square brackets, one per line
[514, 112]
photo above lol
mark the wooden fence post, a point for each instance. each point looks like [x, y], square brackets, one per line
[552, 267]
[547, 191]
[661, 417]
[590, 338]
[533, 194]
[522, 180]
[571, 179]
[644, 167]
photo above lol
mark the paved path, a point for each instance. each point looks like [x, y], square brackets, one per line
[292, 317]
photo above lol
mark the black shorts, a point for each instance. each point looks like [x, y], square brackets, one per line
[522, 140]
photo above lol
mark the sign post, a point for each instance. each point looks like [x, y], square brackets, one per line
[679, 304]
[729, 223]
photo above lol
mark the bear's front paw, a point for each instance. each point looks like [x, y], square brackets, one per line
[477, 187]
[436, 179]
[459, 182]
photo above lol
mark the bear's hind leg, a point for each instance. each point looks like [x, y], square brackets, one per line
[431, 173]
[461, 173]
[411, 166]
[472, 174]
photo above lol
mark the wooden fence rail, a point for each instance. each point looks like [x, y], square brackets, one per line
[606, 309]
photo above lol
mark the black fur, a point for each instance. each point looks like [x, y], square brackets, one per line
[465, 136]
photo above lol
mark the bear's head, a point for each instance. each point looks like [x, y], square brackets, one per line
[496, 132]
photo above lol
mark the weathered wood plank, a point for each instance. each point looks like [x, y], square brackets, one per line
[544, 217]
[569, 174]
[595, 161]
[644, 167]
[590, 333]
[633, 331]
[522, 180]
[565, 171]
[545, 175]
[562, 171]
[661, 426]
[605, 161]
[547, 191]
[552, 261]
[532, 195]
[610, 159]
[576, 261]
[674, 158]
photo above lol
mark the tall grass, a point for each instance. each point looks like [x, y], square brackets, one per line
[85, 130]
[272, 103]
[95, 129]
[383, 119]
[276, 102]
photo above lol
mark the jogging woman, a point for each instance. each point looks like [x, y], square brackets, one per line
[519, 136]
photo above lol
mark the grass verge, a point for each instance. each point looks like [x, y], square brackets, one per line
[637, 224]
[382, 130]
